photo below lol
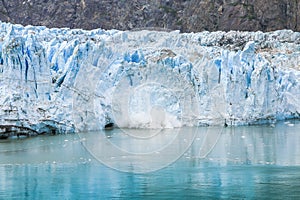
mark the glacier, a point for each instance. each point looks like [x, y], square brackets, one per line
[69, 80]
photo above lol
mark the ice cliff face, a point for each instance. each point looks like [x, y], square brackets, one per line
[67, 80]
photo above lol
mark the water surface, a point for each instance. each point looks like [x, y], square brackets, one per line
[254, 162]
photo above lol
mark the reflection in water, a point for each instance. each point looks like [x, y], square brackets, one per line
[243, 163]
[139, 151]
[43, 149]
[279, 145]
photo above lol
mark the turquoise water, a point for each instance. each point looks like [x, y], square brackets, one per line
[255, 162]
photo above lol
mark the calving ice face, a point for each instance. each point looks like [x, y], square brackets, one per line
[68, 80]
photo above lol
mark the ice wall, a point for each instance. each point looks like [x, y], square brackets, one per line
[66, 80]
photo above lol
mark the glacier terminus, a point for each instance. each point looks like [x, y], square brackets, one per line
[69, 80]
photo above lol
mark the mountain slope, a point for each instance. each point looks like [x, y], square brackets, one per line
[184, 15]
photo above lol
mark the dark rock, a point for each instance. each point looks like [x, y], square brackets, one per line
[109, 126]
[185, 15]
